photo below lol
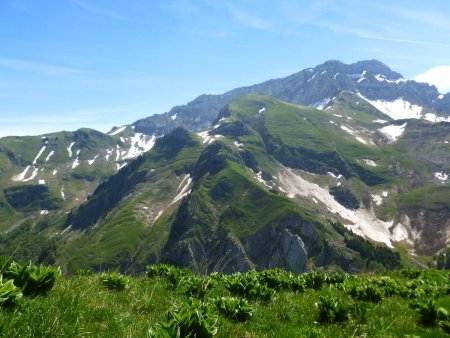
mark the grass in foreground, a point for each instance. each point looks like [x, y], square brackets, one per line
[272, 303]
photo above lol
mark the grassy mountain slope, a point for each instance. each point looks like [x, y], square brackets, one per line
[67, 165]
[266, 186]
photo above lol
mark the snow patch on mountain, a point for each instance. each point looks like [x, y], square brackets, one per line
[393, 132]
[184, 189]
[441, 176]
[173, 117]
[380, 121]
[259, 178]
[238, 144]
[49, 155]
[91, 162]
[362, 221]
[377, 199]
[75, 163]
[39, 154]
[140, 144]
[369, 162]
[353, 133]
[320, 105]
[69, 149]
[117, 131]
[33, 175]
[433, 118]
[398, 109]
[108, 153]
[41, 181]
[120, 165]
[262, 110]
[21, 176]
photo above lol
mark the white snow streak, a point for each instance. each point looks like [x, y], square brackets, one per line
[69, 149]
[120, 166]
[49, 155]
[184, 191]
[91, 162]
[262, 110]
[39, 154]
[379, 121]
[117, 131]
[173, 117]
[33, 175]
[41, 181]
[21, 176]
[320, 105]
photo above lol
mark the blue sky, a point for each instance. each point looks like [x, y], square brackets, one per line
[66, 64]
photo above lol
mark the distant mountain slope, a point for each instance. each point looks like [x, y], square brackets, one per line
[263, 183]
[376, 82]
[266, 186]
[57, 171]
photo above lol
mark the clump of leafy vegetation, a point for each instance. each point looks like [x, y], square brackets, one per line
[32, 279]
[248, 286]
[235, 308]
[196, 286]
[84, 272]
[115, 281]
[190, 319]
[332, 310]
[361, 290]
[9, 293]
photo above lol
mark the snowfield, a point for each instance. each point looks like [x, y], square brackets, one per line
[393, 132]
[398, 109]
[362, 221]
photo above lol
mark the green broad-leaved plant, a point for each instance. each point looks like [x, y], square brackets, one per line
[32, 279]
[9, 293]
[238, 309]
[190, 319]
[115, 281]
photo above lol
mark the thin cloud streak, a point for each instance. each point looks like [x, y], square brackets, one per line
[39, 68]
[404, 41]
[95, 10]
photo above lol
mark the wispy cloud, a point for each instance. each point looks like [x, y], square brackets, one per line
[38, 67]
[252, 20]
[417, 42]
[97, 10]
[182, 7]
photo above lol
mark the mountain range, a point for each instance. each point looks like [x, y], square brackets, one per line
[337, 166]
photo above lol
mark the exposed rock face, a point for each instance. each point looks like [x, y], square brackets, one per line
[288, 246]
[290, 252]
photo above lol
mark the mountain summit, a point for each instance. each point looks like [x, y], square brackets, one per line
[314, 87]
